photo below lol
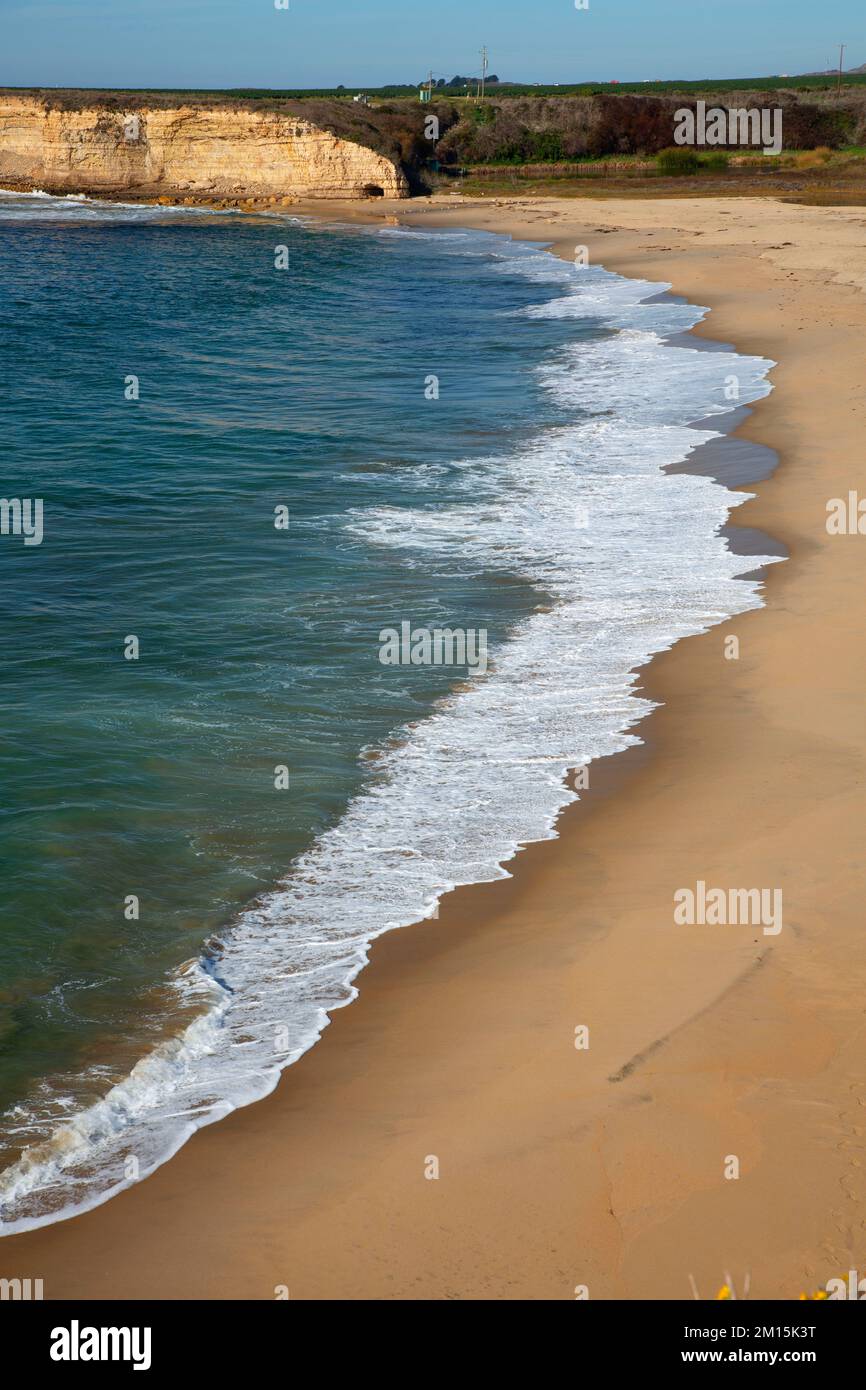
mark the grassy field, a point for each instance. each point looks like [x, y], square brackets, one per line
[582, 89]
[694, 88]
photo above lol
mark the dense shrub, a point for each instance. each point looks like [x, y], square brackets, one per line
[812, 159]
[716, 160]
[549, 129]
[678, 159]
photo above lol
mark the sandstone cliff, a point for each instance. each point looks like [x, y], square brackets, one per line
[108, 145]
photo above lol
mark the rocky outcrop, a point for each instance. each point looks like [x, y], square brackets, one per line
[217, 149]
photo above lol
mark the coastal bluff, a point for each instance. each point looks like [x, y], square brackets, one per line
[127, 143]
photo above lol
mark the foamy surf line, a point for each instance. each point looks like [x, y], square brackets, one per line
[628, 559]
[36, 205]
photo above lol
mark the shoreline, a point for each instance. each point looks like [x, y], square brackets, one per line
[603, 733]
[530, 1143]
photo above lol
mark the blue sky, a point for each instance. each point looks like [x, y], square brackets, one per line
[237, 43]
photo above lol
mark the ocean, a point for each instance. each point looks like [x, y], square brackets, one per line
[215, 792]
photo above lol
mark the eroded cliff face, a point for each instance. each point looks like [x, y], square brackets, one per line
[196, 149]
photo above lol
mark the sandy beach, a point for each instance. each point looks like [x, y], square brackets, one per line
[601, 1168]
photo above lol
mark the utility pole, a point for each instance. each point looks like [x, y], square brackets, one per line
[841, 55]
[483, 71]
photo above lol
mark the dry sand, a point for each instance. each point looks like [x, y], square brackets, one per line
[603, 1167]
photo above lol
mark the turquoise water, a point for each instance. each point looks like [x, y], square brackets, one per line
[259, 647]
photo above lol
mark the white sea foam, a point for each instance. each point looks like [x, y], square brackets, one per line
[455, 797]
[39, 206]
